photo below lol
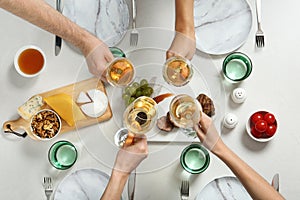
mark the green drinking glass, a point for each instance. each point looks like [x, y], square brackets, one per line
[62, 155]
[194, 159]
[237, 67]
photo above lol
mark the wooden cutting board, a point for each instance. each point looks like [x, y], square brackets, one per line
[73, 90]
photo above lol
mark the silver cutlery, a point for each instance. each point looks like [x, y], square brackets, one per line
[259, 36]
[275, 182]
[184, 190]
[134, 35]
[58, 40]
[131, 185]
[48, 187]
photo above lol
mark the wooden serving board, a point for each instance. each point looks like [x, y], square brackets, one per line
[73, 90]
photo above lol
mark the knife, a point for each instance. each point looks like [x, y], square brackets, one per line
[275, 182]
[58, 40]
[131, 185]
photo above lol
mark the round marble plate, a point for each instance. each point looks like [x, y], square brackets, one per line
[228, 188]
[84, 184]
[106, 19]
[221, 26]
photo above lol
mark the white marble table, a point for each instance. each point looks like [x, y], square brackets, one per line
[273, 85]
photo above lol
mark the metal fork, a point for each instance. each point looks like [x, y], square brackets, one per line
[259, 36]
[134, 35]
[48, 187]
[184, 191]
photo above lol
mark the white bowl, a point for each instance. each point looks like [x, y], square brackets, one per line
[248, 129]
[37, 136]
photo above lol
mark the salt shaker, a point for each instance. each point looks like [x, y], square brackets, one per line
[238, 95]
[230, 120]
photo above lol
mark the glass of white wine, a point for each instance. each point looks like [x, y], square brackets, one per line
[120, 72]
[177, 71]
[185, 112]
[138, 118]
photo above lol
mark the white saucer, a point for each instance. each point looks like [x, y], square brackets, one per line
[106, 19]
[227, 187]
[84, 184]
[221, 26]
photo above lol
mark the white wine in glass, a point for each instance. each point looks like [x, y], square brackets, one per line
[185, 111]
[140, 116]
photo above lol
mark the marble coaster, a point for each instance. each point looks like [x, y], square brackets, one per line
[84, 184]
[107, 19]
[228, 188]
[221, 26]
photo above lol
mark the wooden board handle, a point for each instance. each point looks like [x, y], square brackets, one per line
[12, 126]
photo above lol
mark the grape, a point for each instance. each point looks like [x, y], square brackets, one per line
[131, 100]
[127, 90]
[132, 90]
[135, 85]
[138, 93]
[143, 82]
[126, 97]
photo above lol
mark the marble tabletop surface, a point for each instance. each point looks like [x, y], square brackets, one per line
[272, 86]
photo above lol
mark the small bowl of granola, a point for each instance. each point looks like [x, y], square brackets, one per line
[45, 124]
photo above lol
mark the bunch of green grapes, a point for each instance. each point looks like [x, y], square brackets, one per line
[136, 90]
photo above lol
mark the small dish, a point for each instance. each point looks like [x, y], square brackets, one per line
[45, 124]
[264, 137]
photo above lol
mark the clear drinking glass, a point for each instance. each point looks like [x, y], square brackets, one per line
[62, 155]
[195, 159]
[177, 71]
[185, 112]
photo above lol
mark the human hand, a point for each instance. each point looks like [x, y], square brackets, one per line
[130, 156]
[97, 59]
[207, 132]
[183, 45]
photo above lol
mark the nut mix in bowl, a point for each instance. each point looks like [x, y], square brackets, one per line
[45, 124]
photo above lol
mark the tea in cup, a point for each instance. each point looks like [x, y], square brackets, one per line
[30, 61]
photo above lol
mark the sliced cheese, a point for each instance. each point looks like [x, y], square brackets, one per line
[30, 107]
[83, 98]
[98, 106]
[63, 104]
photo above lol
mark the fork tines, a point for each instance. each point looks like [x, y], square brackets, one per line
[184, 189]
[260, 40]
[134, 37]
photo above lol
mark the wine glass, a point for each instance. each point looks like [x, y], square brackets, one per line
[185, 112]
[138, 118]
[120, 72]
[177, 71]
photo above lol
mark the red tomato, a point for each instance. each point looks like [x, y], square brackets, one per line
[256, 117]
[255, 133]
[261, 126]
[269, 118]
[271, 130]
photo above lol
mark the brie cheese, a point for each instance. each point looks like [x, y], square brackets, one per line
[98, 106]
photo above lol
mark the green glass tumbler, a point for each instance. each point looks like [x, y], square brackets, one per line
[62, 155]
[237, 67]
[117, 52]
[195, 159]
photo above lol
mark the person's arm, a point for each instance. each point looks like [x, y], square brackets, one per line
[41, 14]
[128, 158]
[256, 185]
[184, 43]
